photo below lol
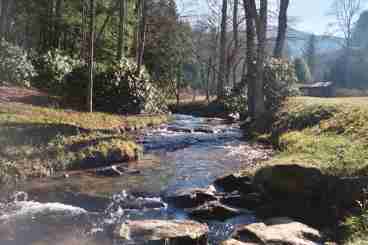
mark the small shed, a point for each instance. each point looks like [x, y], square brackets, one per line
[319, 89]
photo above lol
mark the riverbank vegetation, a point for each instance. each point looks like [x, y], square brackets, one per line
[38, 140]
[328, 133]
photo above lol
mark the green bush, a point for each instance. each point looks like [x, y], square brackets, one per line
[15, 67]
[235, 101]
[357, 225]
[52, 68]
[117, 88]
[280, 81]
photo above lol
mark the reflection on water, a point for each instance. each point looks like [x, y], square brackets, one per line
[189, 152]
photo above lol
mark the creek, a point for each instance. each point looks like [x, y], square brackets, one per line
[189, 152]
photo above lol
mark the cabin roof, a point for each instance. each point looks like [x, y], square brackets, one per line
[317, 85]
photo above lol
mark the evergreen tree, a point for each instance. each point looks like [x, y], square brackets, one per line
[310, 54]
[302, 70]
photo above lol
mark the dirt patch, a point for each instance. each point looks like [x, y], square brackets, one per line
[26, 96]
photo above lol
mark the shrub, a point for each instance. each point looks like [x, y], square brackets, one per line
[120, 89]
[117, 88]
[279, 84]
[235, 101]
[357, 225]
[15, 67]
[52, 68]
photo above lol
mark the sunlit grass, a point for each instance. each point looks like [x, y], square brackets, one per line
[328, 133]
[37, 141]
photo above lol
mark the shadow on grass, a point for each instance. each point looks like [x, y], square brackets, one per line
[35, 133]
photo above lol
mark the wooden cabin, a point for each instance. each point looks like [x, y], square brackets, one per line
[319, 89]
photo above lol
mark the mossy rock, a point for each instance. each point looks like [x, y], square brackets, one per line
[289, 180]
[107, 152]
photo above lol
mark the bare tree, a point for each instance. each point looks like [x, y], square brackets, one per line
[346, 12]
[282, 28]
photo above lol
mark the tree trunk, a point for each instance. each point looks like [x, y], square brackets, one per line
[84, 49]
[208, 79]
[142, 34]
[120, 46]
[178, 83]
[91, 55]
[50, 24]
[57, 23]
[259, 101]
[282, 28]
[222, 61]
[4, 19]
[235, 36]
[251, 54]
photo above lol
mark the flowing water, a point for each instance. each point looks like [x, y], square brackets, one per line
[85, 208]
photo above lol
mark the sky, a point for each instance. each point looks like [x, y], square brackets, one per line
[311, 15]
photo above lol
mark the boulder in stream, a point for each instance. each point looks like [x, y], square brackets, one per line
[163, 232]
[289, 180]
[278, 231]
[128, 201]
[215, 211]
[248, 201]
[190, 198]
[235, 182]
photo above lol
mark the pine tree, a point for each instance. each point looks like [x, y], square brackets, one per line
[310, 55]
[302, 70]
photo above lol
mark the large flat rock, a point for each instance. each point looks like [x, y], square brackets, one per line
[175, 232]
[279, 231]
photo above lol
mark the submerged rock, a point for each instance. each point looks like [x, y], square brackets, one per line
[163, 232]
[206, 130]
[216, 211]
[180, 129]
[279, 231]
[190, 198]
[127, 201]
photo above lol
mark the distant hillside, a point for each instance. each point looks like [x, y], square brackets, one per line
[296, 41]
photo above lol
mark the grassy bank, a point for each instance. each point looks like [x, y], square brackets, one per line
[330, 134]
[38, 140]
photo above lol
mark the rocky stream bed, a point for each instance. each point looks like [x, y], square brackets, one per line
[183, 191]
